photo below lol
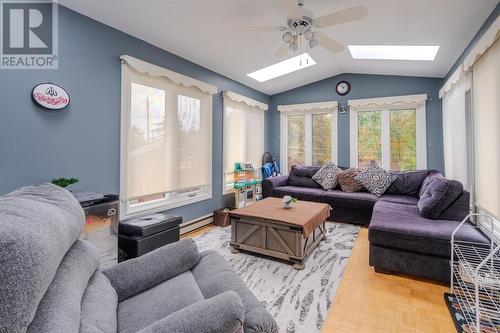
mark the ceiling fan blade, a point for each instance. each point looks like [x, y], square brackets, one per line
[342, 16]
[264, 28]
[328, 43]
[283, 51]
[290, 6]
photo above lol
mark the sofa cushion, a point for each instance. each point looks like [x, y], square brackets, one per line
[348, 182]
[152, 268]
[399, 198]
[38, 225]
[459, 209]
[221, 313]
[375, 179]
[301, 193]
[60, 307]
[154, 304]
[99, 305]
[358, 200]
[401, 226]
[302, 176]
[438, 195]
[327, 176]
[407, 182]
[433, 174]
[214, 276]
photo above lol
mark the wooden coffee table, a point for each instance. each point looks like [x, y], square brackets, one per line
[286, 233]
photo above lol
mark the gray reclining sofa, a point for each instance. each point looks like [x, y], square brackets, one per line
[51, 282]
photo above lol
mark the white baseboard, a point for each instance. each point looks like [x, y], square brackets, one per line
[189, 226]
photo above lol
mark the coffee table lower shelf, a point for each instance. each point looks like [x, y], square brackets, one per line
[274, 239]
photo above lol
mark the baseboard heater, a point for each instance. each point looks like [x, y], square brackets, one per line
[200, 222]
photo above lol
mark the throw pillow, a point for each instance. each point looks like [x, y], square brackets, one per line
[407, 182]
[348, 182]
[302, 176]
[327, 176]
[375, 179]
[438, 196]
[428, 180]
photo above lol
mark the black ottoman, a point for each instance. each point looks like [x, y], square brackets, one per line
[142, 235]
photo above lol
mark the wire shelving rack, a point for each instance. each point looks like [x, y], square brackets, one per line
[475, 274]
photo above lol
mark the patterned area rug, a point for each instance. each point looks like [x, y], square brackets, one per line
[298, 300]
[458, 315]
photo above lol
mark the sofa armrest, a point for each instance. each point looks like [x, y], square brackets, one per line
[223, 313]
[133, 276]
[269, 184]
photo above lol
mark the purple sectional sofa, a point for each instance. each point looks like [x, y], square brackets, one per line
[353, 208]
[410, 226]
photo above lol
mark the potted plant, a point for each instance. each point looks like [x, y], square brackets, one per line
[288, 201]
[64, 182]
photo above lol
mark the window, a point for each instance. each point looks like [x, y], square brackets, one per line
[403, 125]
[369, 138]
[243, 133]
[390, 131]
[309, 131]
[296, 140]
[166, 140]
[322, 138]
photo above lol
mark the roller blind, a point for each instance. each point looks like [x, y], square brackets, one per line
[243, 135]
[454, 129]
[486, 96]
[166, 139]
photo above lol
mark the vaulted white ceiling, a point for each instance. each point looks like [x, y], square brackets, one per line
[208, 33]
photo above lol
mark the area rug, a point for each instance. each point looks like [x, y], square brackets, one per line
[458, 315]
[298, 300]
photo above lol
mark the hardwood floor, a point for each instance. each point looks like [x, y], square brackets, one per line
[371, 302]
[199, 232]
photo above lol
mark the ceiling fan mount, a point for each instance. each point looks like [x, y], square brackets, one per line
[299, 24]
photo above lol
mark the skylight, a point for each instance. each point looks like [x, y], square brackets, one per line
[393, 52]
[282, 68]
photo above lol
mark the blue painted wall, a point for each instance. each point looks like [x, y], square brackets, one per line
[363, 86]
[491, 18]
[84, 140]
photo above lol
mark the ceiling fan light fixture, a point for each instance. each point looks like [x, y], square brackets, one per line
[313, 43]
[294, 46]
[308, 34]
[287, 37]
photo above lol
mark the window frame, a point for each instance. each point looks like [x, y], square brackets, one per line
[236, 98]
[385, 105]
[171, 199]
[307, 110]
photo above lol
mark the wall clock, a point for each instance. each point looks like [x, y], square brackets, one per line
[343, 88]
[50, 96]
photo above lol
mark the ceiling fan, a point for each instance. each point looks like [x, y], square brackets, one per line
[301, 22]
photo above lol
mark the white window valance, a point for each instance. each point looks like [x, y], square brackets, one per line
[157, 71]
[308, 106]
[388, 102]
[489, 37]
[240, 98]
[454, 78]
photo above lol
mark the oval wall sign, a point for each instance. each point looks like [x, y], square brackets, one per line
[50, 96]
